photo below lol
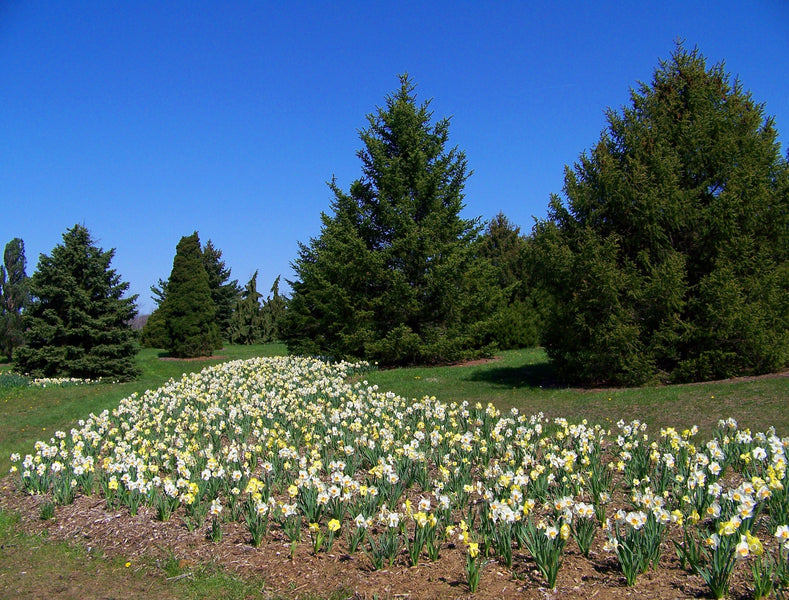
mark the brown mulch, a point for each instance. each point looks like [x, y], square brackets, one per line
[142, 537]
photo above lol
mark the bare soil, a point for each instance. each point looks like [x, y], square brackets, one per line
[144, 539]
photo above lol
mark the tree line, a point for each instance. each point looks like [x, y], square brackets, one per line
[664, 260]
[199, 306]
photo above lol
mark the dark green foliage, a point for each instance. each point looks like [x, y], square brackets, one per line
[254, 322]
[273, 313]
[515, 323]
[14, 296]
[247, 325]
[669, 260]
[504, 246]
[224, 292]
[78, 323]
[388, 277]
[154, 333]
[188, 311]
[159, 292]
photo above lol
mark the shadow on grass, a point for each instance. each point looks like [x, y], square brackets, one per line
[540, 375]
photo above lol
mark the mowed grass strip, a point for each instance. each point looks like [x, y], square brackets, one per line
[523, 379]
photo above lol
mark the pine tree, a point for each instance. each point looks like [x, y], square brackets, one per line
[188, 311]
[387, 277]
[78, 323]
[224, 292]
[273, 313]
[14, 296]
[669, 260]
[247, 325]
[159, 292]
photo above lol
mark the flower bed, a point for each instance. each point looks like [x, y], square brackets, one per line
[294, 450]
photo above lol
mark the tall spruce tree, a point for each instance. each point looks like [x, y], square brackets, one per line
[188, 311]
[159, 292]
[14, 296]
[224, 291]
[387, 277]
[273, 313]
[247, 324]
[78, 323]
[669, 259]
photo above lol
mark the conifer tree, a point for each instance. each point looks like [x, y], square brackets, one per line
[515, 321]
[224, 292]
[669, 259]
[188, 311]
[14, 296]
[388, 277]
[78, 323]
[154, 333]
[273, 313]
[247, 325]
[159, 292]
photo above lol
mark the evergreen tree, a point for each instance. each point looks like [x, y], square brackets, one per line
[154, 333]
[387, 277]
[515, 322]
[78, 323]
[188, 311]
[669, 259]
[224, 292]
[273, 313]
[504, 246]
[14, 296]
[247, 325]
[159, 292]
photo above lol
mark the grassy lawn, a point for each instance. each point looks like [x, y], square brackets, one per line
[523, 379]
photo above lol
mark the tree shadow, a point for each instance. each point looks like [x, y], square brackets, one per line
[540, 375]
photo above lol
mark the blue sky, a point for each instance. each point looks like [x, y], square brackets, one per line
[146, 120]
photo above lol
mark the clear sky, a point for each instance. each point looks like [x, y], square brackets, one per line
[147, 120]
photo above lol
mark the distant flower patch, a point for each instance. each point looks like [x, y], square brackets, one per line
[61, 382]
[14, 380]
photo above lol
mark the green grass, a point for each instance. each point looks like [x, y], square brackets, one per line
[523, 379]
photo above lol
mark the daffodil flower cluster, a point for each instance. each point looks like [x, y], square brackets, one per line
[288, 444]
[44, 382]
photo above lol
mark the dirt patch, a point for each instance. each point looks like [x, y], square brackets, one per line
[303, 573]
